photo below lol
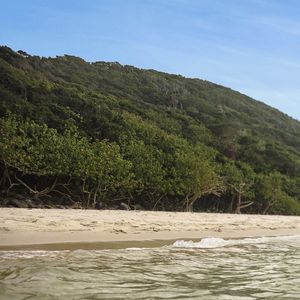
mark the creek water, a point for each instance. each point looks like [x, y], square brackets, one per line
[213, 268]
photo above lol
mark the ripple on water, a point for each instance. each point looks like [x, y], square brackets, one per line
[265, 268]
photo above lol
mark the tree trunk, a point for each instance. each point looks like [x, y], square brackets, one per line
[157, 201]
[190, 203]
[218, 204]
[269, 205]
[238, 204]
[231, 204]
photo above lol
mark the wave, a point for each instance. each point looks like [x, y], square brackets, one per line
[14, 254]
[205, 243]
[209, 243]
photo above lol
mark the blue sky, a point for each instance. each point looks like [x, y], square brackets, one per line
[252, 46]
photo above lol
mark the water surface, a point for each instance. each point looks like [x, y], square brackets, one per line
[262, 268]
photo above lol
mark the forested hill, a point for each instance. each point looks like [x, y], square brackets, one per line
[106, 135]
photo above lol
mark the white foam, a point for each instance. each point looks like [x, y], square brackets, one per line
[135, 249]
[212, 242]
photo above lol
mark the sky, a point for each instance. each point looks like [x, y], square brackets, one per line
[252, 46]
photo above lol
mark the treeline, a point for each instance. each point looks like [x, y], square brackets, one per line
[161, 172]
[100, 135]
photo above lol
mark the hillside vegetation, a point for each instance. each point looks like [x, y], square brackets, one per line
[105, 135]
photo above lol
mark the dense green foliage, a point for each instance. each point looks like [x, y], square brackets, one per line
[84, 132]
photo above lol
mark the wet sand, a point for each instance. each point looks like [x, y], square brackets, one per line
[99, 229]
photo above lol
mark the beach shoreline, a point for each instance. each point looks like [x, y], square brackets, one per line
[64, 229]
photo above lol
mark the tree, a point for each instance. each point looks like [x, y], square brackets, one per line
[268, 190]
[239, 179]
[148, 170]
[197, 174]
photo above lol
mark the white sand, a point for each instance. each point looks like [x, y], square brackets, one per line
[42, 226]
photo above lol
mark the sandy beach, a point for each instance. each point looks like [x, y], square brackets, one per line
[24, 227]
